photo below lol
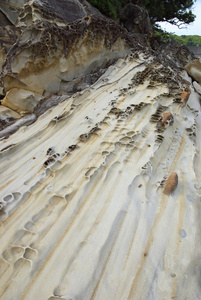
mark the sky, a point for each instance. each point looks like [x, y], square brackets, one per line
[192, 29]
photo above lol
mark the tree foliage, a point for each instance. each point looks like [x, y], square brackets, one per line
[110, 8]
[187, 40]
[173, 11]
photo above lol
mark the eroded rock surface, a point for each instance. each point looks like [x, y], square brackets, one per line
[136, 18]
[59, 45]
[11, 9]
[54, 56]
[21, 101]
[194, 70]
[100, 180]
[82, 192]
[59, 11]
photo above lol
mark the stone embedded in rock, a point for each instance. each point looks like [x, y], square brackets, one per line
[21, 100]
[171, 184]
[185, 94]
[167, 117]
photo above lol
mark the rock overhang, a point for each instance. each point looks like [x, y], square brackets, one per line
[51, 51]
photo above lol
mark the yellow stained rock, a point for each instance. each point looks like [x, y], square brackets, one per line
[21, 101]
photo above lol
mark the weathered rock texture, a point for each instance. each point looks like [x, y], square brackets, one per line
[21, 101]
[59, 11]
[10, 9]
[61, 42]
[100, 194]
[82, 206]
[55, 56]
[136, 18]
[194, 69]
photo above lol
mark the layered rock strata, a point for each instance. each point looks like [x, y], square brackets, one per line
[100, 180]
[56, 47]
[47, 58]
[83, 209]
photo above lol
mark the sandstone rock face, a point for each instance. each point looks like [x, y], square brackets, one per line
[82, 203]
[197, 87]
[136, 18]
[100, 169]
[60, 42]
[59, 11]
[194, 70]
[21, 101]
[8, 36]
[11, 9]
[7, 116]
[54, 56]
[4, 20]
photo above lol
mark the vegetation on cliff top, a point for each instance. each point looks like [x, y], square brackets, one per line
[175, 12]
[187, 40]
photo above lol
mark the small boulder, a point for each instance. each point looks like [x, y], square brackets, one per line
[136, 18]
[21, 101]
[194, 69]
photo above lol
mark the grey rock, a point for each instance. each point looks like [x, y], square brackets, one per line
[136, 18]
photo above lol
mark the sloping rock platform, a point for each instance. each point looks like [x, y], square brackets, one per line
[83, 214]
[100, 185]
